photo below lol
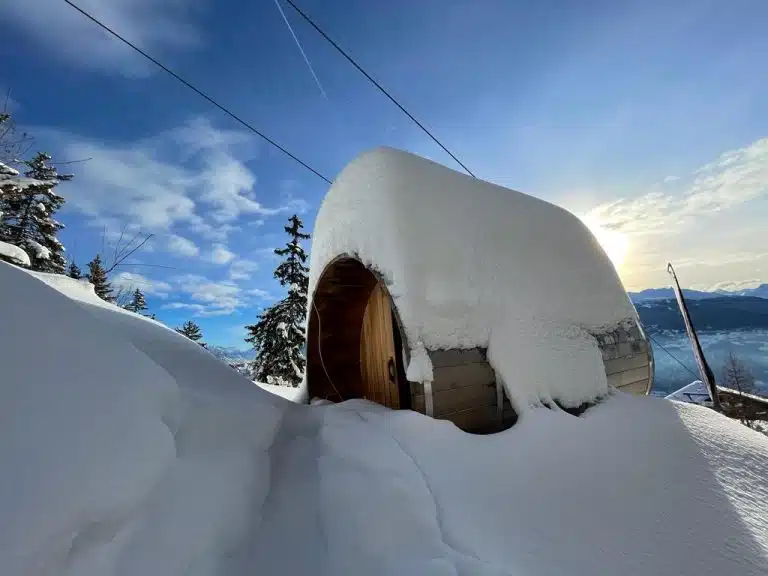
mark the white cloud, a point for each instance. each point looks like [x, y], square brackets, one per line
[128, 183]
[206, 297]
[157, 26]
[241, 269]
[132, 280]
[736, 286]
[711, 222]
[259, 293]
[209, 298]
[193, 177]
[181, 246]
[737, 177]
[220, 255]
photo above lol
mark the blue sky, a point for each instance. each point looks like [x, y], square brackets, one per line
[648, 119]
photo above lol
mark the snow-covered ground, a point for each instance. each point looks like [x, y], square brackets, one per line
[127, 449]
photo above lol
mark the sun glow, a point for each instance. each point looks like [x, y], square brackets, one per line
[615, 244]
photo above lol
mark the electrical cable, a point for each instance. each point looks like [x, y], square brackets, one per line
[381, 88]
[199, 92]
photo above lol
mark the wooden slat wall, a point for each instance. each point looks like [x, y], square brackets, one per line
[627, 359]
[464, 391]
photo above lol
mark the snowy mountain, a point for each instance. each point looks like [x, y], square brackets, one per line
[652, 294]
[758, 292]
[231, 355]
[711, 313]
[156, 458]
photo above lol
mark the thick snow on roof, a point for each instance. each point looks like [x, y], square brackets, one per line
[471, 264]
[14, 253]
[128, 449]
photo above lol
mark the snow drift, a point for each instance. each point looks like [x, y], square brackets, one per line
[127, 449]
[470, 264]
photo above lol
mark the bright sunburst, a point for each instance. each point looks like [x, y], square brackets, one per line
[614, 243]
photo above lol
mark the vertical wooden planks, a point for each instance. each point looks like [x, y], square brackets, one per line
[377, 347]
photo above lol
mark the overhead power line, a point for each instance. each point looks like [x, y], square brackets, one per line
[381, 89]
[697, 376]
[199, 92]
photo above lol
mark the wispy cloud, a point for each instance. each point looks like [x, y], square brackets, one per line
[710, 222]
[220, 254]
[301, 49]
[735, 178]
[208, 298]
[197, 176]
[736, 286]
[242, 269]
[132, 280]
[158, 26]
[182, 246]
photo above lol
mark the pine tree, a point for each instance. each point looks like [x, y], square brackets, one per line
[191, 331]
[279, 335]
[27, 216]
[137, 304]
[98, 277]
[73, 271]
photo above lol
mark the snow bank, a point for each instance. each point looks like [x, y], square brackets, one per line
[294, 394]
[128, 449]
[470, 264]
[14, 253]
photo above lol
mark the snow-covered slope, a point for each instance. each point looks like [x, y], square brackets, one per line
[127, 449]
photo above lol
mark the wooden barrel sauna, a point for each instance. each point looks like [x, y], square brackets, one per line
[356, 349]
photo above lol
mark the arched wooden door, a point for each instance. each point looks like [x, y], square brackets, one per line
[378, 364]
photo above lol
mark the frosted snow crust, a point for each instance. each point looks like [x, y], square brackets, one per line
[128, 449]
[471, 264]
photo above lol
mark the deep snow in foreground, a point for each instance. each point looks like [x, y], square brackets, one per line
[127, 449]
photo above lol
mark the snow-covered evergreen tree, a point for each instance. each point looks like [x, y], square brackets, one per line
[74, 271]
[279, 335]
[137, 304]
[27, 215]
[98, 277]
[191, 331]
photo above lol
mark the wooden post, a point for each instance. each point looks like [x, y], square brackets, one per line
[429, 405]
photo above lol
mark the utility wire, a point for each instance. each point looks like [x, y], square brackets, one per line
[199, 92]
[383, 90]
[697, 376]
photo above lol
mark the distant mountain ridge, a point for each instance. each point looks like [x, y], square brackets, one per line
[667, 293]
[712, 313]
[231, 355]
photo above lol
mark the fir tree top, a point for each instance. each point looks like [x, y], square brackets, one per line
[137, 304]
[190, 330]
[74, 271]
[293, 272]
[97, 275]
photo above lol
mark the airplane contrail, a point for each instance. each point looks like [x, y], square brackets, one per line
[298, 44]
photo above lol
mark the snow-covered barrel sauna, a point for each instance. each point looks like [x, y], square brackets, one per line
[436, 292]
